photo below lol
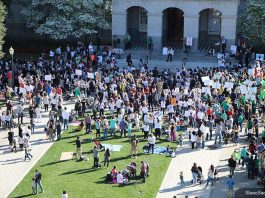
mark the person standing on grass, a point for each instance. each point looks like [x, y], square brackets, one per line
[107, 157]
[33, 185]
[113, 124]
[97, 126]
[123, 127]
[58, 130]
[78, 148]
[88, 124]
[65, 115]
[38, 177]
[134, 146]
[96, 156]
[151, 143]
[106, 126]
[64, 195]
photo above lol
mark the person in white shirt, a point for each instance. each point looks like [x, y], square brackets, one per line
[118, 105]
[170, 108]
[120, 179]
[151, 143]
[65, 115]
[146, 130]
[157, 128]
[64, 195]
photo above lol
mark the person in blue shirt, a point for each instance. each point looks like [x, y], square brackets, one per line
[230, 185]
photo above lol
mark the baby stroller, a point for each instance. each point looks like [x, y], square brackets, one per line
[72, 116]
[132, 169]
[228, 135]
[200, 176]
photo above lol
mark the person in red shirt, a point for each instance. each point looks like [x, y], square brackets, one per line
[59, 91]
[252, 148]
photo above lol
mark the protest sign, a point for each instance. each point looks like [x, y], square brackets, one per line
[189, 41]
[260, 57]
[48, 77]
[90, 75]
[233, 49]
[229, 85]
[216, 85]
[78, 72]
[204, 78]
[165, 51]
[243, 89]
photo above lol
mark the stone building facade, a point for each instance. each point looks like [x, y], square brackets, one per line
[170, 22]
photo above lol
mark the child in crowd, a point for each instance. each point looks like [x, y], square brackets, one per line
[129, 129]
[181, 177]
[33, 186]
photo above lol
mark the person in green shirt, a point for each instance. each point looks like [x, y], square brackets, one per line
[240, 120]
[224, 116]
[77, 92]
[243, 154]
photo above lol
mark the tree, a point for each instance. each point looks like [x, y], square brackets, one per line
[252, 21]
[61, 19]
[2, 26]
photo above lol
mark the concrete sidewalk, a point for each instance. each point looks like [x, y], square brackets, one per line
[219, 158]
[13, 167]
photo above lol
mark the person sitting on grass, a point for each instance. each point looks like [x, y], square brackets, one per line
[81, 126]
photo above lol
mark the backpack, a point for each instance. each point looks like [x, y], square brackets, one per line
[38, 177]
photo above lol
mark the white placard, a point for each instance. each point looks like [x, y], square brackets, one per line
[229, 85]
[208, 82]
[220, 56]
[233, 49]
[48, 77]
[100, 59]
[204, 89]
[216, 85]
[78, 72]
[249, 83]
[253, 97]
[165, 51]
[243, 89]
[189, 41]
[204, 78]
[259, 56]
[217, 76]
[253, 90]
[187, 114]
[251, 72]
[90, 75]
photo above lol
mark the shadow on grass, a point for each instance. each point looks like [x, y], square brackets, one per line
[80, 171]
[28, 195]
[52, 163]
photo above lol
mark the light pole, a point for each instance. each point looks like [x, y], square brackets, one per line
[11, 52]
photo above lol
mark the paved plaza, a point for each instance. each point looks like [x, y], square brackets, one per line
[13, 167]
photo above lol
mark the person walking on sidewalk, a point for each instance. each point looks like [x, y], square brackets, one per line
[230, 185]
[232, 165]
[210, 176]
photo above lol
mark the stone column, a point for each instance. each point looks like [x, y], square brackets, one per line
[191, 29]
[228, 30]
[119, 27]
[154, 29]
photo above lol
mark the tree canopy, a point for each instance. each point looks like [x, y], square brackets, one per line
[2, 26]
[252, 21]
[61, 19]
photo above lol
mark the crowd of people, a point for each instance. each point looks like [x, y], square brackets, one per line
[194, 104]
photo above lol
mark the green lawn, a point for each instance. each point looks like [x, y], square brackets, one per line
[79, 179]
